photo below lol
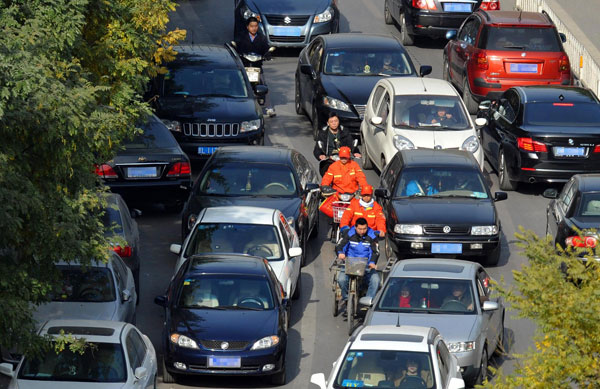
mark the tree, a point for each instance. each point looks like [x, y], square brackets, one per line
[560, 293]
[71, 77]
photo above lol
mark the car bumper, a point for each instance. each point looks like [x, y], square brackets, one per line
[307, 33]
[488, 89]
[350, 120]
[436, 24]
[406, 246]
[192, 147]
[532, 170]
[169, 191]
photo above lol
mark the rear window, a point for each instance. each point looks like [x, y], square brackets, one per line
[155, 136]
[562, 114]
[112, 220]
[590, 205]
[520, 38]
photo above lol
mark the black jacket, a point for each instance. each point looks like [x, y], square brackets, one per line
[344, 137]
[245, 45]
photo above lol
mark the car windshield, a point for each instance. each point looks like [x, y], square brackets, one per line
[431, 112]
[226, 292]
[112, 220]
[562, 114]
[385, 369]
[248, 179]
[89, 285]
[441, 182]
[367, 62]
[520, 38]
[100, 362]
[155, 136]
[590, 205]
[203, 81]
[253, 239]
[431, 295]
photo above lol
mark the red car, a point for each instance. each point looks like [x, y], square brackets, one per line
[493, 51]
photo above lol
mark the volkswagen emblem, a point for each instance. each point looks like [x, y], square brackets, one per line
[287, 20]
[523, 54]
[446, 229]
[224, 346]
[141, 159]
[571, 142]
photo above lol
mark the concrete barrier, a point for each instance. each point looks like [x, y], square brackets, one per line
[582, 53]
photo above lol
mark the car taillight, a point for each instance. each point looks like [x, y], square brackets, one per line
[563, 64]
[106, 171]
[529, 144]
[482, 61]
[180, 169]
[597, 149]
[490, 5]
[578, 241]
[124, 252]
[424, 4]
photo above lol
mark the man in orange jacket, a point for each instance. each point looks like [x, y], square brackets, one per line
[344, 175]
[367, 208]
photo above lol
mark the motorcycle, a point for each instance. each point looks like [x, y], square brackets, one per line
[325, 163]
[253, 65]
[339, 206]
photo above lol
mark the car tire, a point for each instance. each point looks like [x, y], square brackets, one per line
[406, 38]
[278, 379]
[298, 99]
[298, 291]
[503, 179]
[367, 164]
[387, 15]
[446, 70]
[167, 377]
[315, 124]
[470, 102]
[493, 258]
[500, 350]
[483, 368]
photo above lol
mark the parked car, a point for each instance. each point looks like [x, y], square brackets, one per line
[98, 291]
[412, 113]
[541, 134]
[336, 73]
[117, 355]
[225, 314]
[150, 168]
[379, 356]
[493, 51]
[453, 296]
[437, 203]
[288, 24]
[431, 18]
[272, 177]
[207, 101]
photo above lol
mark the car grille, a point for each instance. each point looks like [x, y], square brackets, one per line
[287, 39]
[295, 20]
[360, 109]
[216, 344]
[454, 230]
[210, 130]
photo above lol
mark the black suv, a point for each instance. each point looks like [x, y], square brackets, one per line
[207, 101]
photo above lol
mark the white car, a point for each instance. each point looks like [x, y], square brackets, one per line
[117, 355]
[394, 357]
[413, 113]
[262, 232]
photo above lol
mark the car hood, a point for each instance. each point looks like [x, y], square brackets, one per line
[30, 384]
[429, 139]
[422, 210]
[76, 311]
[350, 89]
[212, 324]
[219, 109]
[288, 7]
[289, 206]
[454, 328]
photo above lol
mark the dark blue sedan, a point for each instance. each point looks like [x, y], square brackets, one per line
[225, 315]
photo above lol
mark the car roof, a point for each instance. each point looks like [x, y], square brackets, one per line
[355, 40]
[436, 158]
[435, 268]
[234, 264]
[588, 182]
[271, 154]
[516, 18]
[389, 337]
[207, 55]
[420, 86]
[95, 331]
[239, 214]
[552, 93]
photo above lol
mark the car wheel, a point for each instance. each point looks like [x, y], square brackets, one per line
[297, 291]
[155, 379]
[483, 368]
[315, 124]
[503, 180]
[298, 99]
[493, 258]
[278, 379]
[367, 164]
[470, 102]
[387, 14]
[446, 70]
[406, 38]
[167, 377]
[500, 350]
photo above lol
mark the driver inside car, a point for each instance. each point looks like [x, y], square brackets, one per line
[414, 375]
[459, 294]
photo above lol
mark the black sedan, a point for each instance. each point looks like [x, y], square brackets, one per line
[225, 315]
[541, 133]
[437, 203]
[336, 73]
[150, 168]
[260, 176]
[575, 211]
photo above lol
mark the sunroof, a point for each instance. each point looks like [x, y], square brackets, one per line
[392, 338]
[96, 331]
[434, 267]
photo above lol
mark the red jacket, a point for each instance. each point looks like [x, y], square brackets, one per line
[374, 215]
[344, 178]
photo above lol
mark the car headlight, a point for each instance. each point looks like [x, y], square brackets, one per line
[402, 143]
[191, 221]
[247, 13]
[250, 125]
[408, 229]
[324, 16]
[183, 341]
[252, 57]
[336, 104]
[470, 144]
[484, 230]
[266, 342]
[172, 125]
[461, 347]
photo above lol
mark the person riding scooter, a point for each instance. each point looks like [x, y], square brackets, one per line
[365, 207]
[329, 140]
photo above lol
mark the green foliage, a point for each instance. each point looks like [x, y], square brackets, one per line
[71, 76]
[560, 293]
[74, 344]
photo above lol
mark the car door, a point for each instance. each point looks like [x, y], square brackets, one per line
[132, 233]
[388, 182]
[562, 205]
[370, 112]
[492, 320]
[293, 264]
[139, 356]
[380, 133]
[498, 133]
[443, 361]
[309, 206]
[310, 83]
[125, 282]
[462, 49]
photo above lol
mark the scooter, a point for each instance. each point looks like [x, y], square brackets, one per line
[339, 206]
[253, 65]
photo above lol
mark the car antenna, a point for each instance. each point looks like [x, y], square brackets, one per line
[520, 12]
[424, 87]
[398, 321]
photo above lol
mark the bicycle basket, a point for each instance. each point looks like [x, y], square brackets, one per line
[356, 266]
[338, 210]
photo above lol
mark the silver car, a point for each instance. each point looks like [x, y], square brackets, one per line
[451, 295]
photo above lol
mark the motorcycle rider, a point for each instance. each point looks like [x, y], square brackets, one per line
[365, 207]
[252, 41]
[329, 140]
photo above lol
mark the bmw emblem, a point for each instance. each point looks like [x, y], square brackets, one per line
[141, 159]
[438, 147]
[571, 142]
[287, 20]
[224, 346]
[446, 229]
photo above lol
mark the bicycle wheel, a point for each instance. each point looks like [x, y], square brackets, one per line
[351, 305]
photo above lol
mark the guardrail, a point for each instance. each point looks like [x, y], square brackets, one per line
[585, 69]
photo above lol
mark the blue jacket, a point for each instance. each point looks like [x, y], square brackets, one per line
[353, 245]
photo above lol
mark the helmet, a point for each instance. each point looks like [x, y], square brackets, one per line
[366, 190]
[344, 152]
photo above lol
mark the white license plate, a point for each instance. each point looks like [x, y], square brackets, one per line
[225, 362]
[142, 172]
[253, 74]
[569, 151]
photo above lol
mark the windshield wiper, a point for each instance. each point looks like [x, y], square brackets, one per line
[203, 307]
[215, 95]
[515, 47]
[237, 307]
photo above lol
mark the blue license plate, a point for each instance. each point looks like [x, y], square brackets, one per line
[286, 31]
[569, 151]
[523, 68]
[141, 172]
[457, 7]
[204, 150]
[225, 362]
[446, 248]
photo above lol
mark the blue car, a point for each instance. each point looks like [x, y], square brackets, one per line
[225, 315]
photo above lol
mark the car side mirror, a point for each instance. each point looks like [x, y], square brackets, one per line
[563, 37]
[489, 306]
[366, 301]
[161, 300]
[480, 122]
[7, 369]
[550, 193]
[125, 295]
[450, 35]
[294, 252]
[135, 213]
[376, 120]
[175, 248]
[140, 373]
[424, 70]
[499, 196]
[456, 383]
[319, 380]
[382, 193]
[310, 187]
[485, 105]
[261, 90]
[306, 69]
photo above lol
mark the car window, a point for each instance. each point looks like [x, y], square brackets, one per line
[203, 80]
[120, 272]
[469, 31]
[90, 285]
[125, 215]
[287, 239]
[154, 135]
[562, 114]
[567, 196]
[139, 346]
[443, 356]
[384, 107]
[302, 170]
[431, 112]
[520, 38]
[134, 360]
[441, 182]
[590, 205]
[376, 97]
[506, 110]
[315, 57]
[112, 221]
[483, 285]
[367, 62]
[307, 170]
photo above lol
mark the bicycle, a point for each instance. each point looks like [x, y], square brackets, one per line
[354, 267]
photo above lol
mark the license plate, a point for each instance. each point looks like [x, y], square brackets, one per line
[253, 74]
[569, 151]
[286, 31]
[141, 172]
[225, 362]
[457, 7]
[523, 68]
[446, 248]
[204, 150]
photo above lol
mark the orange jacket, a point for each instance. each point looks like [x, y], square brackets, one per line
[374, 215]
[344, 178]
